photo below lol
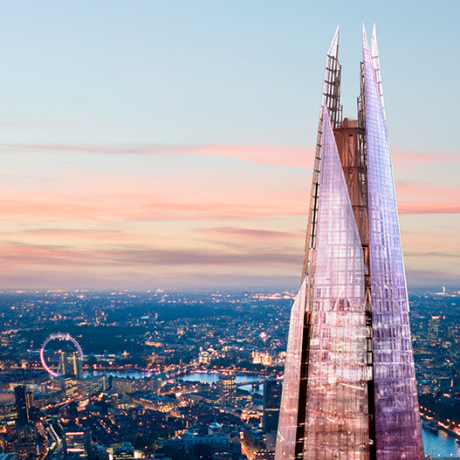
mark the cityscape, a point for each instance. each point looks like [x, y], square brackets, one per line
[160, 377]
[194, 266]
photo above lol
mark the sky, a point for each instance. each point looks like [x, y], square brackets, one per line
[169, 144]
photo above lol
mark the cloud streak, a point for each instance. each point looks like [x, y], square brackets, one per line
[275, 155]
[33, 254]
[248, 234]
[281, 155]
[426, 198]
[414, 158]
[115, 205]
[130, 217]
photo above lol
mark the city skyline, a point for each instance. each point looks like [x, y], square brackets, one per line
[159, 145]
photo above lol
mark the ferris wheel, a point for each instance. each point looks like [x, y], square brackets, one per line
[58, 336]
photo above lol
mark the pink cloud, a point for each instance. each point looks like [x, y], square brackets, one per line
[171, 204]
[248, 234]
[426, 198]
[34, 254]
[425, 157]
[281, 155]
[276, 155]
[88, 234]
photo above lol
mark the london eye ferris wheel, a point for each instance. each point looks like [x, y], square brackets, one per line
[59, 336]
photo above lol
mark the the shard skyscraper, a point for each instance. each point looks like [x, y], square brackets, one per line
[349, 385]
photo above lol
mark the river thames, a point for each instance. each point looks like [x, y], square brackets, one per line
[440, 445]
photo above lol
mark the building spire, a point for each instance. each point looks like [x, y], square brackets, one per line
[349, 386]
[334, 47]
[392, 380]
[376, 64]
[365, 42]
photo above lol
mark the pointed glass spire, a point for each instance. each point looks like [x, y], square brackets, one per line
[336, 423]
[333, 50]
[330, 99]
[289, 418]
[349, 330]
[397, 418]
[376, 64]
[331, 67]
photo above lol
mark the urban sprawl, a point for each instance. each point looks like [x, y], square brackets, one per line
[170, 375]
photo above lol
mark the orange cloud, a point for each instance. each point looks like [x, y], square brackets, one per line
[115, 204]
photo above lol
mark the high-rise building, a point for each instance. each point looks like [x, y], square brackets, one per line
[433, 327]
[24, 402]
[271, 400]
[78, 441]
[70, 364]
[349, 388]
[227, 388]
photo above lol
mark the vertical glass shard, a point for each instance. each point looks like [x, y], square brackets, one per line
[287, 426]
[289, 414]
[398, 431]
[336, 423]
[376, 64]
[330, 99]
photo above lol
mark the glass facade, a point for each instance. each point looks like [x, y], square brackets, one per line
[337, 417]
[397, 418]
[349, 389]
[271, 400]
[287, 427]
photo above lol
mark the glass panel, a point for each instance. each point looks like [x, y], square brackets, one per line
[398, 431]
[376, 65]
[337, 425]
[287, 426]
[286, 439]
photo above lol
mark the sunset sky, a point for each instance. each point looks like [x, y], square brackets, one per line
[150, 144]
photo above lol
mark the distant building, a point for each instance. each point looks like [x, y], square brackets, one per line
[254, 442]
[122, 385]
[126, 385]
[26, 449]
[204, 357]
[156, 384]
[125, 452]
[262, 358]
[70, 364]
[146, 320]
[272, 401]
[227, 388]
[95, 384]
[78, 442]
[24, 402]
[108, 397]
[433, 327]
[145, 384]
[99, 453]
